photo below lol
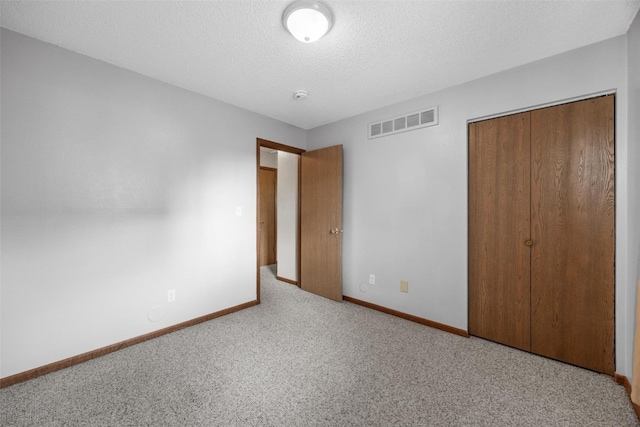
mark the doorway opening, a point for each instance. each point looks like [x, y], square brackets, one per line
[278, 210]
[314, 220]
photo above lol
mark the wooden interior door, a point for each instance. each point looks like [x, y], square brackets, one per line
[268, 180]
[572, 284]
[321, 222]
[499, 227]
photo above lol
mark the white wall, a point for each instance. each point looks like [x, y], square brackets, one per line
[405, 196]
[287, 215]
[114, 188]
[633, 227]
[269, 160]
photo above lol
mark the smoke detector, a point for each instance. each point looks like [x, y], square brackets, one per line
[300, 94]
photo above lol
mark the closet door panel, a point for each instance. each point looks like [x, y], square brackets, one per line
[499, 224]
[572, 260]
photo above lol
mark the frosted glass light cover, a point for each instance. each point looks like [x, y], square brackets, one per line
[307, 21]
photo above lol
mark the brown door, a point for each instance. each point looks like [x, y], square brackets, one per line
[499, 210]
[572, 282]
[268, 179]
[321, 222]
[541, 232]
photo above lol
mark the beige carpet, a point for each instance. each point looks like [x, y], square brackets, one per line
[302, 360]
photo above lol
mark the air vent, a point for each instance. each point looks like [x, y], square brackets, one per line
[411, 121]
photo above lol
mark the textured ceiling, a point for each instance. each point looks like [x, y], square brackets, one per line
[376, 54]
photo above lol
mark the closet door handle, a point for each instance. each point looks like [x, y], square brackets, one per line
[528, 242]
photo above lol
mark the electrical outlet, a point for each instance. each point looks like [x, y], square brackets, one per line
[404, 286]
[372, 279]
[171, 295]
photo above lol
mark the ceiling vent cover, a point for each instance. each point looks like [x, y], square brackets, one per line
[416, 120]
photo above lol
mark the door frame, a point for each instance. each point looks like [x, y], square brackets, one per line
[289, 149]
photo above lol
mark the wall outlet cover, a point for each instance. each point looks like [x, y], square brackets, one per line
[404, 286]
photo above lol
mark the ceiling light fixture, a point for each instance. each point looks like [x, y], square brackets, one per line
[307, 20]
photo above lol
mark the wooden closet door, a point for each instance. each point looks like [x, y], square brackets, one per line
[499, 215]
[572, 264]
